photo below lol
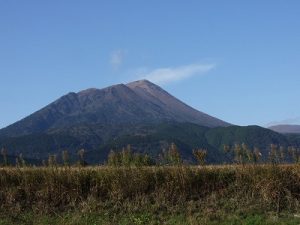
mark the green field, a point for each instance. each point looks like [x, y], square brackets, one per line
[237, 194]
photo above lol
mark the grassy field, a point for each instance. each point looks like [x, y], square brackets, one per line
[250, 194]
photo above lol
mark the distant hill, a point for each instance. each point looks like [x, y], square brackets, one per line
[286, 129]
[191, 136]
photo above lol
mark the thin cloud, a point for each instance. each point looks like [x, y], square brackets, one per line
[116, 59]
[171, 74]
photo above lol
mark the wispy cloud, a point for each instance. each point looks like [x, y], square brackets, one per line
[116, 58]
[171, 74]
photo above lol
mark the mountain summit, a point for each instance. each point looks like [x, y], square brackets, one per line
[134, 103]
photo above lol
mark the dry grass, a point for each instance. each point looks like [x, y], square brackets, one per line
[57, 189]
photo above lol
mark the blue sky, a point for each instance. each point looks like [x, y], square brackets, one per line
[236, 60]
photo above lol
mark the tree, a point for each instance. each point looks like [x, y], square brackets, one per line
[20, 162]
[4, 156]
[256, 155]
[173, 155]
[81, 153]
[65, 157]
[127, 158]
[113, 158]
[52, 160]
[274, 156]
[200, 155]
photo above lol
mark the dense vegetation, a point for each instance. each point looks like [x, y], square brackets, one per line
[133, 188]
[149, 139]
[260, 194]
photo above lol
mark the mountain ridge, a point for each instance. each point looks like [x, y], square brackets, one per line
[135, 102]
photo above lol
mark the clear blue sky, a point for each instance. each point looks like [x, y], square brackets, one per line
[236, 60]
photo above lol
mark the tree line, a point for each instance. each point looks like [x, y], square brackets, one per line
[236, 154]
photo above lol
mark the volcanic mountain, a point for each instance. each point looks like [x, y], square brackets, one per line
[134, 103]
[140, 114]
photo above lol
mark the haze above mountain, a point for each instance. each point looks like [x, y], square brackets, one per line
[137, 102]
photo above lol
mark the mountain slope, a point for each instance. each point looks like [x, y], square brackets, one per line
[286, 129]
[177, 110]
[250, 135]
[134, 103]
[98, 140]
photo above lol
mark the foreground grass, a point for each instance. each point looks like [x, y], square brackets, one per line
[147, 218]
[262, 194]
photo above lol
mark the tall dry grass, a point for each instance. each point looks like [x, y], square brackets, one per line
[56, 189]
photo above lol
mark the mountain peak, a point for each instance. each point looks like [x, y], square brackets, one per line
[145, 86]
[138, 102]
[141, 83]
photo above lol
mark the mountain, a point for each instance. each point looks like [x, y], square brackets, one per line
[134, 103]
[286, 129]
[140, 114]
